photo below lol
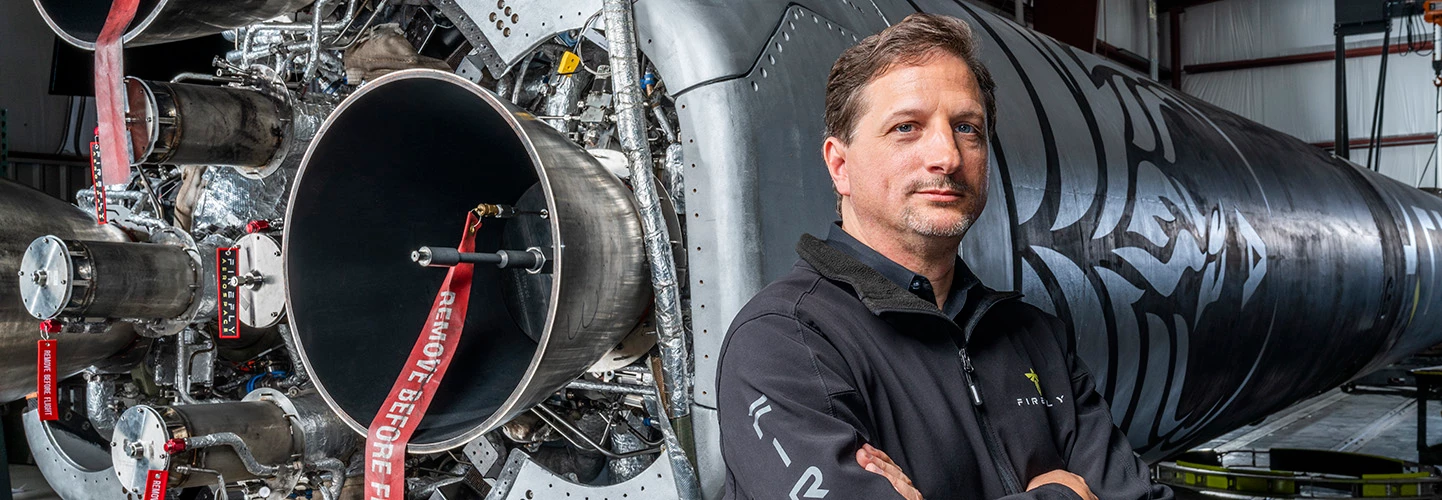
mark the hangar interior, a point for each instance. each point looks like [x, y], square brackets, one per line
[222, 220]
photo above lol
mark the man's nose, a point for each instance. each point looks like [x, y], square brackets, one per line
[943, 157]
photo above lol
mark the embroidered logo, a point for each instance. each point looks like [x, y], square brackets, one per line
[1035, 380]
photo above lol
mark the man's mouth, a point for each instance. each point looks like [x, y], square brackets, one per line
[939, 195]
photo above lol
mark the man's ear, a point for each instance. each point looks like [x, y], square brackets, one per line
[834, 151]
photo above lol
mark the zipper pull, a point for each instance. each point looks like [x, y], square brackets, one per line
[968, 371]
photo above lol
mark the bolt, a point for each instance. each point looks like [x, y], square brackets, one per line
[39, 277]
[135, 449]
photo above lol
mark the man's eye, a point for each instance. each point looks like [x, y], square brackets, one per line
[965, 128]
[905, 128]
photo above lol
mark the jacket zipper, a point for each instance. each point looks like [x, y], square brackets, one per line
[1009, 482]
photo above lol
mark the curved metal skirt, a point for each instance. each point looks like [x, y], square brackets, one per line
[396, 167]
[79, 22]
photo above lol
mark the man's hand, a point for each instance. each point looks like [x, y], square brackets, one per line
[1064, 478]
[879, 462]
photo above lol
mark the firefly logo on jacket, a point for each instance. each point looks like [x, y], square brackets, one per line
[1041, 399]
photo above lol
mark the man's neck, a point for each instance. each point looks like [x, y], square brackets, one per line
[932, 257]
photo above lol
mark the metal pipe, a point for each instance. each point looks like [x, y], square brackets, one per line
[1020, 12]
[1154, 41]
[336, 470]
[586, 385]
[190, 75]
[631, 130]
[580, 439]
[99, 407]
[184, 356]
[338, 25]
[315, 34]
[241, 450]
[671, 332]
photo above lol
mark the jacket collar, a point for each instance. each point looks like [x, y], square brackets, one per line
[882, 296]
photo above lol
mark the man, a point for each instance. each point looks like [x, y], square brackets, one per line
[881, 339]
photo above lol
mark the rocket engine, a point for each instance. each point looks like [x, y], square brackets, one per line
[640, 171]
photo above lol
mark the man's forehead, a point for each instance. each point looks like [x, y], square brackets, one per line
[932, 85]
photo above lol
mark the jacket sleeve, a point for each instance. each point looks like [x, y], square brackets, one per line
[790, 419]
[1100, 452]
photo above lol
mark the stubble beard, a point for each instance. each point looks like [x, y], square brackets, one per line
[930, 227]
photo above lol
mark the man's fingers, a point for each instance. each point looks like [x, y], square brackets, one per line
[892, 471]
[878, 452]
[897, 480]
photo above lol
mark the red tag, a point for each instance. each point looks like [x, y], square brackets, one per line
[110, 91]
[403, 410]
[45, 380]
[227, 266]
[155, 484]
[96, 185]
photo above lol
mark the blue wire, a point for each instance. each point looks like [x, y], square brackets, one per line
[250, 384]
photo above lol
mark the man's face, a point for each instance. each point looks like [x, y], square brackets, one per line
[917, 160]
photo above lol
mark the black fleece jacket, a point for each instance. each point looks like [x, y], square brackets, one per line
[835, 355]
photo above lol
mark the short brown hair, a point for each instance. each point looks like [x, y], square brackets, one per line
[911, 41]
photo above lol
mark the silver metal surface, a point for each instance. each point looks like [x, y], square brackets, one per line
[231, 199]
[256, 438]
[598, 291]
[45, 277]
[751, 190]
[262, 298]
[100, 403]
[631, 130]
[322, 433]
[113, 280]
[138, 447]
[523, 478]
[75, 468]
[27, 214]
[242, 451]
[510, 29]
[485, 454]
[255, 131]
[78, 22]
[565, 101]
[695, 42]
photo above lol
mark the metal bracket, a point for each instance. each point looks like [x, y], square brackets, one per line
[523, 478]
[485, 454]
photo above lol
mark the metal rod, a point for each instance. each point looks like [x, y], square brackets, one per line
[579, 439]
[532, 259]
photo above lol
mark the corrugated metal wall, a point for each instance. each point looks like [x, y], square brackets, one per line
[35, 120]
[1298, 98]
